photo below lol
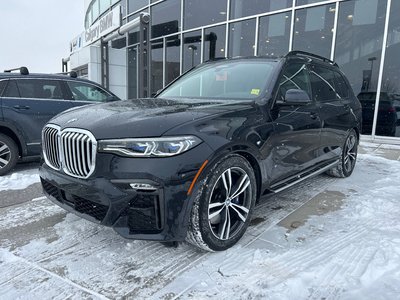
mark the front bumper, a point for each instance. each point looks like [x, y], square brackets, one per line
[161, 214]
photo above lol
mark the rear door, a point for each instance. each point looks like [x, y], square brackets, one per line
[296, 138]
[334, 109]
[29, 104]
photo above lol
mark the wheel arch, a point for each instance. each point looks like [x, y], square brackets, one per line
[16, 138]
[248, 153]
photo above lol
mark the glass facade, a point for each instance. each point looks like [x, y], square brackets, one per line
[185, 33]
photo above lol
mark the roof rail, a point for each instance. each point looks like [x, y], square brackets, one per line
[22, 70]
[72, 74]
[307, 54]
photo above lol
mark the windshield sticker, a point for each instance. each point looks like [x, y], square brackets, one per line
[255, 92]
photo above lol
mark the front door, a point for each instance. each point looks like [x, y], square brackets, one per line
[296, 138]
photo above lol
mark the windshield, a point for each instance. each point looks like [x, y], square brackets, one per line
[238, 79]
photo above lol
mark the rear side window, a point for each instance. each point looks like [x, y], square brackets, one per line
[3, 84]
[323, 84]
[295, 76]
[341, 86]
[39, 88]
[11, 90]
[87, 92]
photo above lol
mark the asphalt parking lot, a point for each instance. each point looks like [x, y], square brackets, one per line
[46, 253]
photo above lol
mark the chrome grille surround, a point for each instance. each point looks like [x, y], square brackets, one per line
[76, 150]
[51, 146]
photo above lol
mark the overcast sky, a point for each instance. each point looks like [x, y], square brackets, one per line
[36, 33]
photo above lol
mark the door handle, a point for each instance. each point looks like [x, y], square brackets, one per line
[21, 107]
[313, 115]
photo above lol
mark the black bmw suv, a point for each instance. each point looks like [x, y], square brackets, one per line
[29, 101]
[192, 162]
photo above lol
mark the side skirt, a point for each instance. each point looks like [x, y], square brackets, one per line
[289, 182]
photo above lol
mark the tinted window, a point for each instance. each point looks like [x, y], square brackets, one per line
[214, 42]
[87, 92]
[203, 12]
[233, 80]
[156, 66]
[244, 8]
[134, 5]
[241, 38]
[294, 76]
[274, 33]
[341, 87]
[313, 29]
[11, 90]
[3, 84]
[172, 56]
[165, 18]
[39, 88]
[191, 49]
[323, 84]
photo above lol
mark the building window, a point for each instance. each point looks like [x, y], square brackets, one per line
[304, 2]
[165, 18]
[203, 12]
[135, 5]
[214, 42]
[191, 49]
[173, 58]
[313, 29]
[274, 34]
[156, 66]
[358, 50]
[389, 110]
[104, 5]
[242, 38]
[95, 10]
[132, 53]
[244, 8]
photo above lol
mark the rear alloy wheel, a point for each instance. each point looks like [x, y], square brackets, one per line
[348, 158]
[223, 205]
[8, 154]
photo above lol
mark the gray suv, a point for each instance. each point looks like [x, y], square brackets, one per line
[28, 101]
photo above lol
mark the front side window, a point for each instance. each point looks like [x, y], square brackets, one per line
[294, 76]
[87, 92]
[39, 89]
[233, 80]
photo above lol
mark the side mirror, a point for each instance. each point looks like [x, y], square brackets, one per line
[296, 97]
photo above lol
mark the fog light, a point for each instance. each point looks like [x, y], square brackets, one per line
[143, 186]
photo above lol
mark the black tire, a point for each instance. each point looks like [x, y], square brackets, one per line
[348, 157]
[221, 226]
[8, 154]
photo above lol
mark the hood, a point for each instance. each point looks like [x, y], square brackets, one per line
[142, 117]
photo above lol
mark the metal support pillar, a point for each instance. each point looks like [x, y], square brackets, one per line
[104, 64]
[144, 57]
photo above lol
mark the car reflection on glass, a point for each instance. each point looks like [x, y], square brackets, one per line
[388, 113]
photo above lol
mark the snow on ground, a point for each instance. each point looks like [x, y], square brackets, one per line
[19, 180]
[325, 238]
[352, 253]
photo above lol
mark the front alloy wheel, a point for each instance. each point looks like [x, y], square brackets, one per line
[223, 204]
[229, 203]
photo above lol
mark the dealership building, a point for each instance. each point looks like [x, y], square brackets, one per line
[362, 36]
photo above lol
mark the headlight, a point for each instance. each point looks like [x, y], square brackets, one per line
[149, 147]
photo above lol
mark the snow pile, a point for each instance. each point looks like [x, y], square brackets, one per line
[19, 180]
